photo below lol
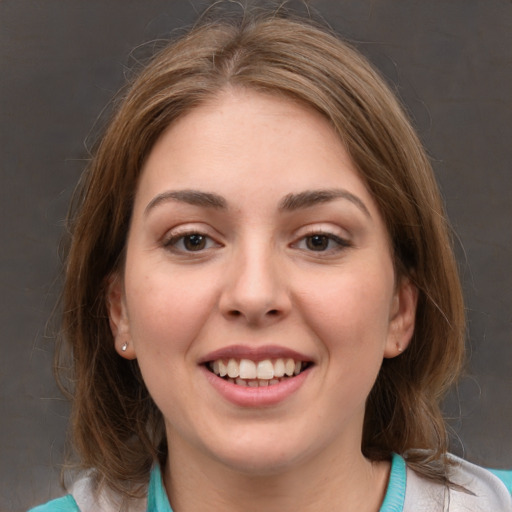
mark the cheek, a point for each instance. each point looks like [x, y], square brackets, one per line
[167, 310]
[350, 310]
[349, 317]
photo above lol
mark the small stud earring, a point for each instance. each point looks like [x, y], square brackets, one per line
[399, 347]
[125, 346]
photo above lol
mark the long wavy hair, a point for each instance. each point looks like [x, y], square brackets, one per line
[116, 428]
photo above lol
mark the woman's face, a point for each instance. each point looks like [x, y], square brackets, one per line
[256, 249]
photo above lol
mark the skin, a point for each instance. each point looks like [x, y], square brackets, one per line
[259, 280]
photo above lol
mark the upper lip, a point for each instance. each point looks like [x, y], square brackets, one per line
[254, 353]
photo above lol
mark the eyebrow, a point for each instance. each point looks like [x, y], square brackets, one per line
[308, 198]
[290, 202]
[193, 197]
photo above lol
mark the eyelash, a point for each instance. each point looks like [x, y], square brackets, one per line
[341, 243]
[172, 242]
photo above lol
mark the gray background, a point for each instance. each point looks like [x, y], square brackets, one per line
[61, 61]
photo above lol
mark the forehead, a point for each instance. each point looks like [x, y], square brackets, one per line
[250, 134]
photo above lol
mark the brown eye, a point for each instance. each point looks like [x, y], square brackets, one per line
[191, 242]
[194, 242]
[317, 242]
[320, 242]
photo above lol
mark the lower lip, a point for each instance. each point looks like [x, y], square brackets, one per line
[246, 396]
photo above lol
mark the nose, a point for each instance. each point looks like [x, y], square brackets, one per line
[255, 290]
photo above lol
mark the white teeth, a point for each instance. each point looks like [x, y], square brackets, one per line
[265, 369]
[247, 369]
[233, 369]
[246, 372]
[289, 367]
[279, 369]
[254, 383]
[223, 369]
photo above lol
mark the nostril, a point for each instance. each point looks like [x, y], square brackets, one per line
[254, 316]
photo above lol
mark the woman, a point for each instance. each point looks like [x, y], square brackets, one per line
[261, 298]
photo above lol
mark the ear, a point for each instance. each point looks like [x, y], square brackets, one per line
[118, 317]
[402, 317]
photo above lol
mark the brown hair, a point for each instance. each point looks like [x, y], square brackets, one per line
[116, 427]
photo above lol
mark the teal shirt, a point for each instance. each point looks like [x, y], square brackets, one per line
[158, 501]
[157, 498]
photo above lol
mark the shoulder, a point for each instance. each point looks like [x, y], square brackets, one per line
[479, 491]
[84, 497]
[91, 499]
[65, 504]
[505, 476]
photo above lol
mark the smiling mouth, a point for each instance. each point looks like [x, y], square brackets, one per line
[268, 372]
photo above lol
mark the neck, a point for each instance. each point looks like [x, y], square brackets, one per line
[332, 481]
